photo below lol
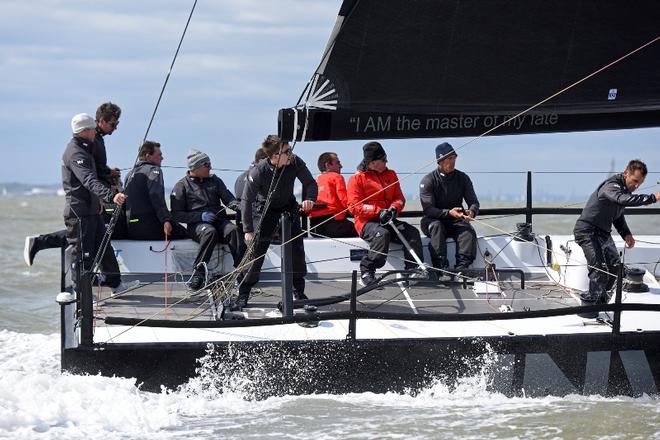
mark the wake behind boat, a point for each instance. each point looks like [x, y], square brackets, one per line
[512, 316]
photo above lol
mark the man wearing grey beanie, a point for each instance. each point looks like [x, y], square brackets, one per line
[200, 200]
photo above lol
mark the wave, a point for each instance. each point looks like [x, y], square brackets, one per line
[37, 401]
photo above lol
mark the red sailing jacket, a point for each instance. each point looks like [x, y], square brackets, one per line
[332, 192]
[366, 196]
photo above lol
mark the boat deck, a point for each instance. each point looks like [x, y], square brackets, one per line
[150, 302]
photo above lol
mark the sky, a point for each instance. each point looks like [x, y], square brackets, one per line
[241, 61]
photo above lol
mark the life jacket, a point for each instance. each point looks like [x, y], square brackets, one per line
[369, 192]
[332, 193]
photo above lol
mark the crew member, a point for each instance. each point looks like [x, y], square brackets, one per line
[239, 185]
[271, 182]
[200, 200]
[592, 231]
[83, 192]
[330, 220]
[107, 119]
[442, 193]
[147, 214]
[375, 198]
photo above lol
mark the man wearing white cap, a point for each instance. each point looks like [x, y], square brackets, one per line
[83, 191]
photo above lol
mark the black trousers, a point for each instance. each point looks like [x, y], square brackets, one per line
[462, 233]
[208, 235]
[601, 253]
[89, 231]
[120, 231]
[379, 238]
[53, 240]
[332, 228]
[268, 228]
[151, 229]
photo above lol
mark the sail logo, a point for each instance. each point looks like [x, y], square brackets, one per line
[611, 96]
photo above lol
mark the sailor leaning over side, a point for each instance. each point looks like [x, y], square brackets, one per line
[605, 207]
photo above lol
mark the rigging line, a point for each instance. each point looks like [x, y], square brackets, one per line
[647, 242]
[257, 232]
[568, 258]
[169, 72]
[557, 282]
[115, 214]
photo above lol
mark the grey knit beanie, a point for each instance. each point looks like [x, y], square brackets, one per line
[196, 159]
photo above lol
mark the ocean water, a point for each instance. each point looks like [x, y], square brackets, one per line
[38, 402]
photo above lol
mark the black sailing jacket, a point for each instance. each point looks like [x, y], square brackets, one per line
[606, 205]
[259, 181]
[82, 187]
[191, 196]
[441, 192]
[145, 193]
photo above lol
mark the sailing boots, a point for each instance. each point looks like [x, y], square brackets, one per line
[367, 279]
[198, 278]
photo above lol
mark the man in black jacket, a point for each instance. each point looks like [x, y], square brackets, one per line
[200, 200]
[107, 120]
[592, 231]
[442, 193]
[274, 178]
[83, 194]
[146, 211]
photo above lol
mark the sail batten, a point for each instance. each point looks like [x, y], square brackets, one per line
[442, 68]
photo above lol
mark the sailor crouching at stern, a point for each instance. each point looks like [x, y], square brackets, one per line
[281, 168]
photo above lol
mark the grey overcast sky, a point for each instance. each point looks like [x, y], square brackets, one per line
[242, 60]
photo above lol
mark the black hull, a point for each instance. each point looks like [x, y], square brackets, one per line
[605, 364]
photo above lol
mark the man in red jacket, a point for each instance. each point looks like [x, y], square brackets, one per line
[375, 197]
[331, 221]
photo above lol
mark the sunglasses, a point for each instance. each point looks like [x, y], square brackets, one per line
[206, 164]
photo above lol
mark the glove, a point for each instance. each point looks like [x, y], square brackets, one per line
[234, 205]
[386, 215]
[208, 217]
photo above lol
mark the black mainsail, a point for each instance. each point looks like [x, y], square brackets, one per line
[443, 68]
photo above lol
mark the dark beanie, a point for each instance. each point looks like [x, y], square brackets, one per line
[444, 150]
[372, 151]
